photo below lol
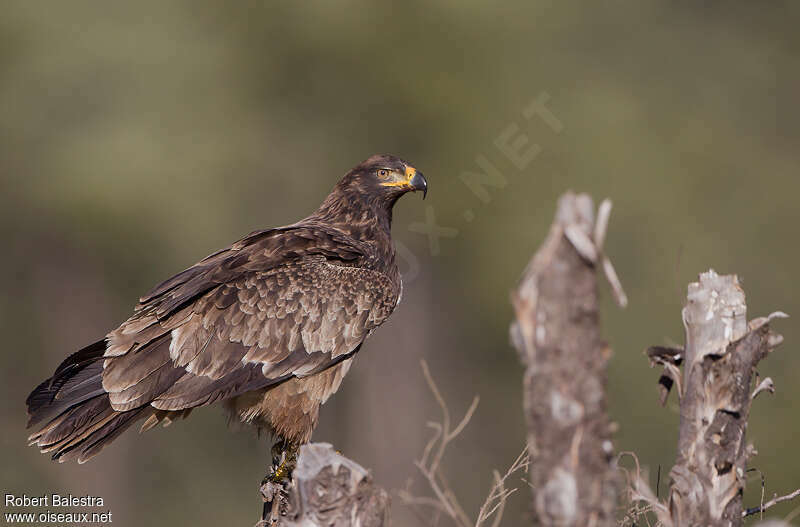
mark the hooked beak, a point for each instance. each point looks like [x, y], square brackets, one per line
[418, 182]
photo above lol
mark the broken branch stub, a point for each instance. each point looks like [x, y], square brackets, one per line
[557, 335]
[715, 392]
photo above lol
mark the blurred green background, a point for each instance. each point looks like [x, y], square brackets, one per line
[138, 137]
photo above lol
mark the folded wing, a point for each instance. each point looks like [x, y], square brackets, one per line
[281, 304]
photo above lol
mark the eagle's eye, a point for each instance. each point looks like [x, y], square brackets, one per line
[383, 173]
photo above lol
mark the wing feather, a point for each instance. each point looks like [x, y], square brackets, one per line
[275, 305]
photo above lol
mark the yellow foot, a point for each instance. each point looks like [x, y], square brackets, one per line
[284, 462]
[281, 472]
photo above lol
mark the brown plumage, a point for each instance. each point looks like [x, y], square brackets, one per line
[269, 326]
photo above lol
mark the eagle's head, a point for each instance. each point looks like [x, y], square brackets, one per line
[384, 177]
[364, 197]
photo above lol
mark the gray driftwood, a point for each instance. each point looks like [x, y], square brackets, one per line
[329, 490]
[715, 388]
[557, 334]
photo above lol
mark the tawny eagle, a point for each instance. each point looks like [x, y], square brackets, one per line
[268, 326]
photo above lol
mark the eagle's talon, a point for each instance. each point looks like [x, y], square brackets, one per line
[284, 460]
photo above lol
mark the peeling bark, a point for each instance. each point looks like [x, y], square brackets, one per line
[557, 334]
[715, 390]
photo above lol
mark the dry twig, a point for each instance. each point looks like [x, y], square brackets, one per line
[774, 501]
[429, 465]
[639, 492]
[496, 500]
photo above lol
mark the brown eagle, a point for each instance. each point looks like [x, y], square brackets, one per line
[268, 326]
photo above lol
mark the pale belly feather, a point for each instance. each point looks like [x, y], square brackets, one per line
[290, 409]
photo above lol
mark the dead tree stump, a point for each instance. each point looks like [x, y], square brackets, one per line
[329, 490]
[557, 334]
[715, 390]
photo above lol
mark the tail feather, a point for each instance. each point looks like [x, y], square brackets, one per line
[82, 449]
[72, 421]
[76, 380]
[81, 358]
[75, 411]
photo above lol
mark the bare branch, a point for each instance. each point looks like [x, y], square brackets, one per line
[767, 385]
[467, 416]
[774, 501]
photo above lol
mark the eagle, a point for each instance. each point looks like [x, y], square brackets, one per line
[268, 327]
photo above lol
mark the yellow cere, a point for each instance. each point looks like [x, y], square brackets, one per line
[410, 172]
